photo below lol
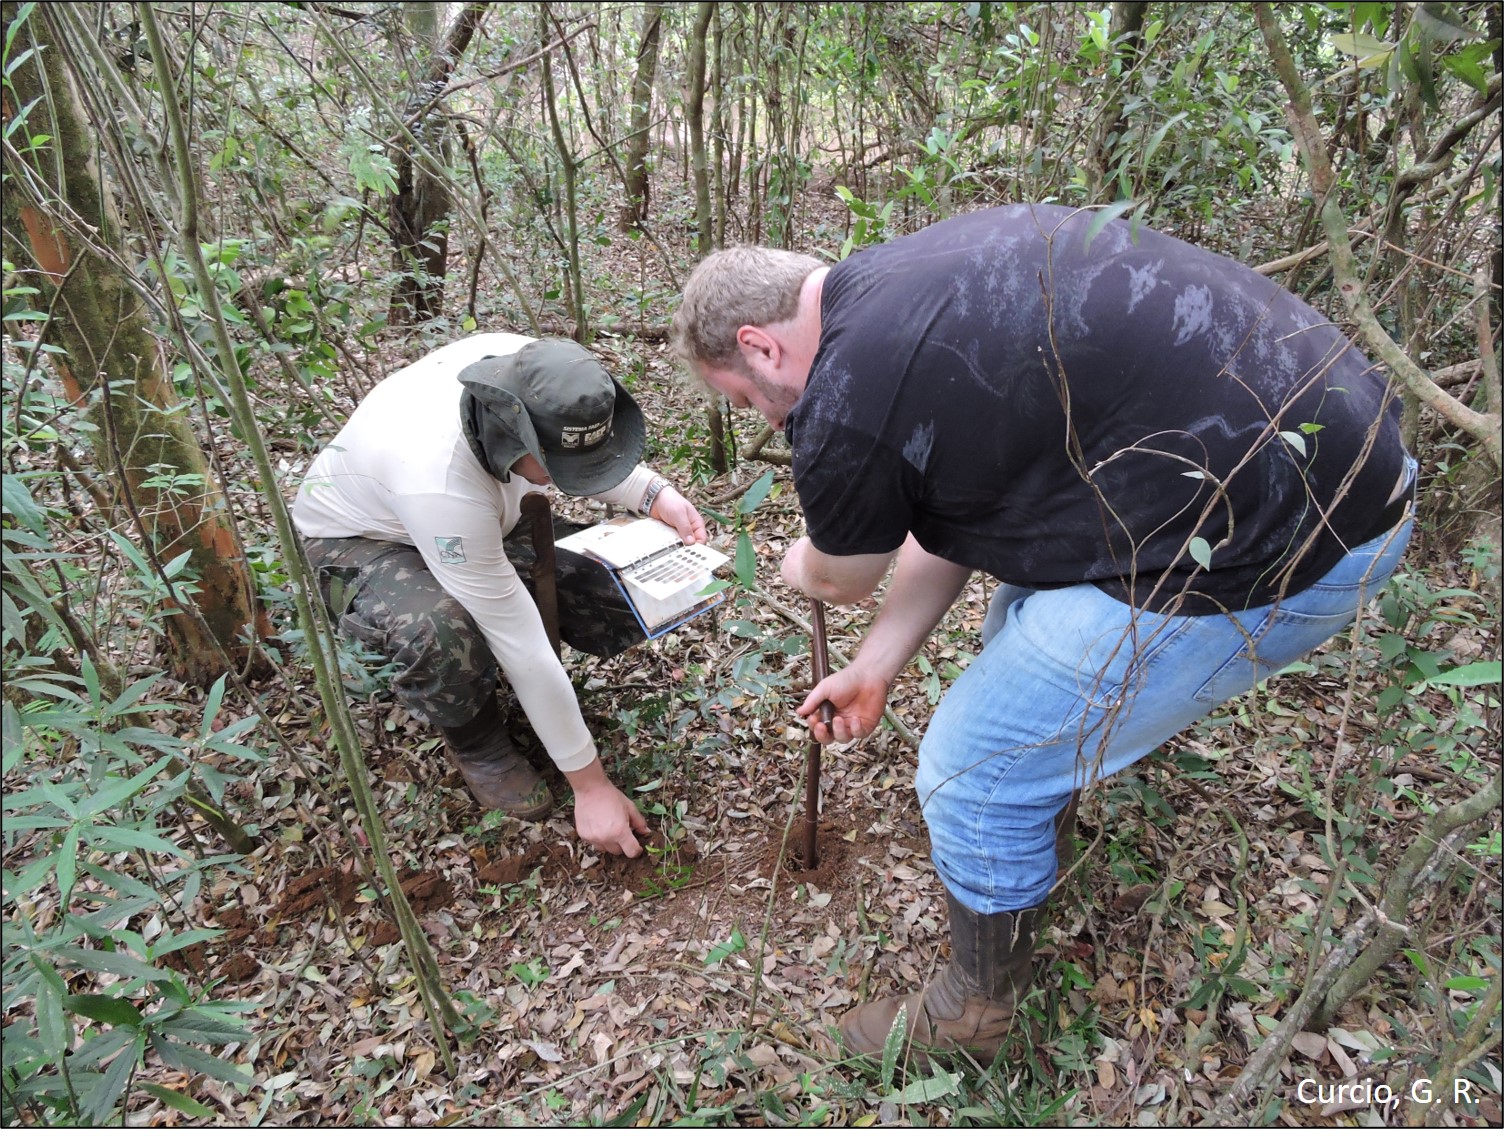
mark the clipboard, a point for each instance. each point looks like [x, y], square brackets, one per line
[661, 577]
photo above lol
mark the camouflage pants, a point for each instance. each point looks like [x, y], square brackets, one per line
[385, 598]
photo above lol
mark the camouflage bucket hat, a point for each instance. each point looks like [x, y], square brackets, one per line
[554, 400]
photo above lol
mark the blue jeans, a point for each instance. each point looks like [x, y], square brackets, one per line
[1073, 685]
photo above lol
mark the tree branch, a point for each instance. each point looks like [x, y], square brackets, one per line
[1484, 428]
[319, 635]
[1354, 961]
[1489, 362]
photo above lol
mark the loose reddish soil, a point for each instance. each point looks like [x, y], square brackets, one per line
[308, 897]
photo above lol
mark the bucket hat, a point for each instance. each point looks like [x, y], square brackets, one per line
[554, 400]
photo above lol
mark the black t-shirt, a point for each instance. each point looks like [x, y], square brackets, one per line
[1056, 406]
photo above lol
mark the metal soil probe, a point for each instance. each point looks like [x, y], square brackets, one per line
[821, 666]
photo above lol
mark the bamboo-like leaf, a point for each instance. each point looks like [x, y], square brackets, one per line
[922, 1092]
[116, 790]
[195, 1025]
[103, 1008]
[18, 503]
[13, 746]
[1102, 218]
[51, 689]
[1441, 24]
[174, 1099]
[212, 705]
[746, 563]
[67, 862]
[1469, 63]
[91, 680]
[193, 1060]
[755, 494]
[54, 1028]
[1361, 45]
[722, 950]
[1159, 136]
[127, 702]
[23, 13]
[1484, 673]
[110, 962]
[898, 1034]
[145, 840]
[99, 1103]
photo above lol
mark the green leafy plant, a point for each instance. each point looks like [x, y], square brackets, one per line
[97, 887]
[745, 560]
[532, 974]
[79, 843]
[869, 222]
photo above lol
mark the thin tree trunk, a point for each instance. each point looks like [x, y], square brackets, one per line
[718, 133]
[569, 168]
[695, 122]
[793, 178]
[755, 164]
[635, 209]
[112, 367]
[440, 1008]
[1126, 23]
[1425, 857]
[1356, 959]
[419, 210]
[1482, 427]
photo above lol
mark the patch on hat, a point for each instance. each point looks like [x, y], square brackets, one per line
[583, 437]
[554, 400]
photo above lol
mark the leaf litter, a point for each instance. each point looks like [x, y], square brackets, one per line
[705, 978]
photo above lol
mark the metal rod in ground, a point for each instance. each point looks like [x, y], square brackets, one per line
[811, 857]
[821, 666]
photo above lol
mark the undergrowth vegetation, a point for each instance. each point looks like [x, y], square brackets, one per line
[194, 929]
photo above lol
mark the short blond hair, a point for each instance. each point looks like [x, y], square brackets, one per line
[749, 284]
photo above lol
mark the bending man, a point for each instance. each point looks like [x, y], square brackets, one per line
[1182, 476]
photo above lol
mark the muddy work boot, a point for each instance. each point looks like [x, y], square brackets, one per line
[970, 1003]
[498, 776]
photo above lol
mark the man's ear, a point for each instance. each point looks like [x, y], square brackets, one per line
[756, 343]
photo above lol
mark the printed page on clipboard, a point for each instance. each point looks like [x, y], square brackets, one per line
[661, 577]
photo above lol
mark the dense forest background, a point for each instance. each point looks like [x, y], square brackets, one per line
[240, 885]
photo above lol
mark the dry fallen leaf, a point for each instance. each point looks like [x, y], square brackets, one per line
[1107, 1076]
[1312, 1045]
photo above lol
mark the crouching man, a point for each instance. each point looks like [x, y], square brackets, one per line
[408, 516]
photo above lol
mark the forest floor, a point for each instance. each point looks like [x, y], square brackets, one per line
[702, 982]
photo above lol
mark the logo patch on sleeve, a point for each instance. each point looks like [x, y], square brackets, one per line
[451, 549]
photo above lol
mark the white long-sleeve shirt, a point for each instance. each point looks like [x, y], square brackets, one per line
[401, 470]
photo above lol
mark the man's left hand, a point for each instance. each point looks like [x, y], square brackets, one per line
[608, 821]
[672, 509]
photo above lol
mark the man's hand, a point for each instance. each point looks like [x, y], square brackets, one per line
[922, 588]
[604, 817]
[672, 509]
[859, 696]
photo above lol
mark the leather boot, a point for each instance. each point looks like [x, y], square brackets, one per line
[970, 1003]
[499, 777]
